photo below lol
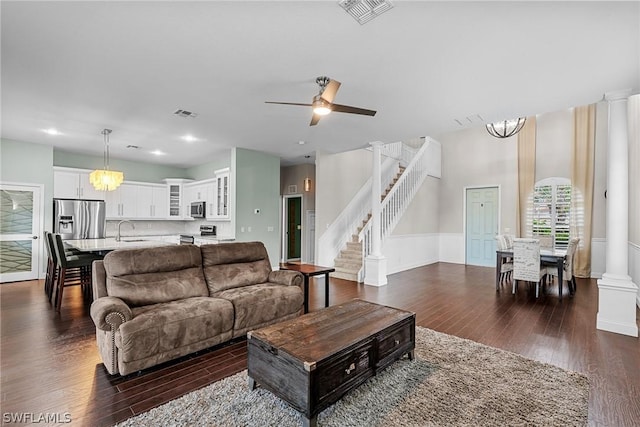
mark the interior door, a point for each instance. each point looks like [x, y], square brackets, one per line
[293, 222]
[481, 225]
[19, 231]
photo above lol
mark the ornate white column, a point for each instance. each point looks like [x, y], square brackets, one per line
[376, 263]
[616, 292]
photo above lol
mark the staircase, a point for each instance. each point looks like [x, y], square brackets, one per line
[349, 263]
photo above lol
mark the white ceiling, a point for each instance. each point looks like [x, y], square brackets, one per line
[80, 67]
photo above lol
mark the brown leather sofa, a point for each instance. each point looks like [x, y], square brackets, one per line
[156, 304]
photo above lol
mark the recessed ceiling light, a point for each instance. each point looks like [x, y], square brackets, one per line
[158, 153]
[302, 142]
[189, 138]
[51, 131]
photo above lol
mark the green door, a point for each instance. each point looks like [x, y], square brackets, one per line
[481, 226]
[294, 227]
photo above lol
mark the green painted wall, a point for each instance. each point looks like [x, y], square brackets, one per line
[24, 162]
[206, 170]
[257, 183]
[133, 171]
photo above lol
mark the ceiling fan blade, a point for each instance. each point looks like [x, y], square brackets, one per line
[353, 110]
[315, 119]
[330, 91]
[287, 103]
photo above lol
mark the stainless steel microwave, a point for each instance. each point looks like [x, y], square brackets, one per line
[197, 209]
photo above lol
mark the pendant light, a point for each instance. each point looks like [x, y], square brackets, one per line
[106, 179]
[506, 128]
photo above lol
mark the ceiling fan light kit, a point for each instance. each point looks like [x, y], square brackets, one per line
[506, 128]
[322, 103]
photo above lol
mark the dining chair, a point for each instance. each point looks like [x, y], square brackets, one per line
[546, 241]
[509, 239]
[567, 270]
[506, 267]
[526, 263]
[78, 265]
[52, 266]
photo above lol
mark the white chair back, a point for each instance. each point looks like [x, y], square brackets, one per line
[546, 242]
[526, 260]
[509, 238]
[571, 252]
[501, 242]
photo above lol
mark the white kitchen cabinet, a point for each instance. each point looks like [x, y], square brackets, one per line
[151, 202]
[122, 202]
[71, 183]
[222, 194]
[175, 194]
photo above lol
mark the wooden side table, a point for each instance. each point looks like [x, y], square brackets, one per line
[310, 270]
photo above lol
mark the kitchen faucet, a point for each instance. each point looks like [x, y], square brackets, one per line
[119, 224]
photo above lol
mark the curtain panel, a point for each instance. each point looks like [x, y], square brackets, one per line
[526, 175]
[582, 168]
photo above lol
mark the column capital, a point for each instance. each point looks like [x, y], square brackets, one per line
[617, 95]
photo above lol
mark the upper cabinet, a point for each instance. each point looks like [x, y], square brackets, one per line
[176, 199]
[152, 201]
[74, 184]
[122, 202]
[222, 194]
[214, 192]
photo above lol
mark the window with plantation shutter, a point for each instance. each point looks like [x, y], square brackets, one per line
[551, 210]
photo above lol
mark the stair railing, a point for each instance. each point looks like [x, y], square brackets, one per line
[343, 227]
[398, 199]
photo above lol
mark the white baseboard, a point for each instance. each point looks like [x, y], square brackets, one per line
[407, 251]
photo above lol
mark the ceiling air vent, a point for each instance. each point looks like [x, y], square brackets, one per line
[364, 11]
[133, 147]
[185, 113]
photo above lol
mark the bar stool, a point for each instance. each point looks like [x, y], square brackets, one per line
[52, 266]
[78, 265]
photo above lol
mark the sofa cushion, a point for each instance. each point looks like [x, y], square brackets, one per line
[262, 303]
[164, 327]
[232, 265]
[155, 275]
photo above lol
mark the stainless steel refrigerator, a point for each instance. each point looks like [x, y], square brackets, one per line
[79, 219]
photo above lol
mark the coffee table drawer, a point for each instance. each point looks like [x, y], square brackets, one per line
[395, 340]
[339, 374]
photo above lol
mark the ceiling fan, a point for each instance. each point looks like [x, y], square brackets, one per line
[322, 103]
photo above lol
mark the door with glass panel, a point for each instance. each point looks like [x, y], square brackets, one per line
[19, 231]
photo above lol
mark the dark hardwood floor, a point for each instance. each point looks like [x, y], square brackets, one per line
[50, 364]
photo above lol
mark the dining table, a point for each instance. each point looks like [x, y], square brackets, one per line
[548, 256]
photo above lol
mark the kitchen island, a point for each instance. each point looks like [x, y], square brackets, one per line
[111, 244]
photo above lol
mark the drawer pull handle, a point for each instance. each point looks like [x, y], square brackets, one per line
[397, 342]
[350, 368]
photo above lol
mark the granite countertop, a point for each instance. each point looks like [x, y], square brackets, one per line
[110, 243]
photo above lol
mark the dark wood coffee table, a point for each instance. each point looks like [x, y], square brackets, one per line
[310, 270]
[315, 359]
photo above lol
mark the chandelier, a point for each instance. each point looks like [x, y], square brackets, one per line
[106, 179]
[506, 128]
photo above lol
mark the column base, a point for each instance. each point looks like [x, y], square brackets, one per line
[375, 270]
[617, 305]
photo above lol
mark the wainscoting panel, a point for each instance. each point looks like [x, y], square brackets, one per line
[452, 248]
[634, 267]
[598, 257]
[408, 251]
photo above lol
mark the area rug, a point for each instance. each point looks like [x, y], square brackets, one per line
[451, 382]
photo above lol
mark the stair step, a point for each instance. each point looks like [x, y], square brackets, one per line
[350, 254]
[351, 265]
[353, 246]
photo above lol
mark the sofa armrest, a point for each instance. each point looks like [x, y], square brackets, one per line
[108, 313]
[286, 277]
